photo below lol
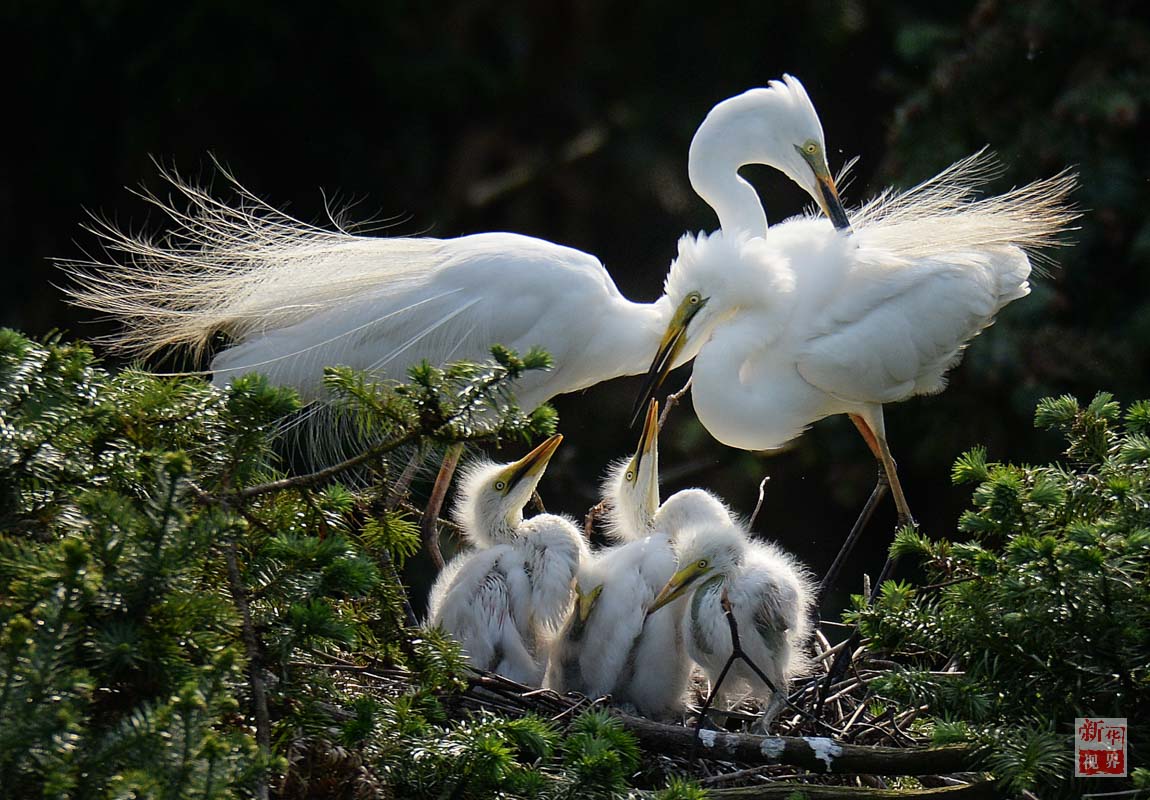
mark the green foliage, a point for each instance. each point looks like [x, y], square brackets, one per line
[142, 522]
[1045, 609]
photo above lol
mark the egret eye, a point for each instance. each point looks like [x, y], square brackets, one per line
[630, 476]
[693, 298]
[702, 563]
[500, 486]
[811, 148]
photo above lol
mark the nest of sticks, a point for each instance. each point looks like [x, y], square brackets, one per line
[836, 738]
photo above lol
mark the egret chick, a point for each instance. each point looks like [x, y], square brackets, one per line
[503, 599]
[611, 646]
[770, 595]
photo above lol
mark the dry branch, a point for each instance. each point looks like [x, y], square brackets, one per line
[817, 754]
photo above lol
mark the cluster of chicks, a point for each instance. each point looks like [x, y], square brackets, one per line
[531, 601]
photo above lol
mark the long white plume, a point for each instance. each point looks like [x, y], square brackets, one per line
[942, 215]
[235, 268]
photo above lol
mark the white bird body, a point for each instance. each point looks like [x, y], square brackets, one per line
[862, 325]
[614, 647]
[451, 299]
[770, 596]
[504, 602]
[504, 598]
[295, 298]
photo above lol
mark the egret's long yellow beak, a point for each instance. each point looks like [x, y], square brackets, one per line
[669, 348]
[649, 438]
[586, 602]
[680, 582]
[829, 200]
[532, 464]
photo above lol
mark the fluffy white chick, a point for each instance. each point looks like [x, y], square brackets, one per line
[503, 598]
[770, 595]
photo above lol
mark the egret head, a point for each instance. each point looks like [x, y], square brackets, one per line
[710, 549]
[713, 278]
[492, 496]
[777, 126]
[632, 485]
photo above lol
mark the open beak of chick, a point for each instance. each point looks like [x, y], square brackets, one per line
[669, 348]
[649, 438]
[532, 465]
[680, 582]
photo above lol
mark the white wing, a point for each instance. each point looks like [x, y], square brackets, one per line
[471, 600]
[896, 326]
[552, 549]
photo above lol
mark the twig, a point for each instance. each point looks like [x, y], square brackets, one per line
[429, 524]
[319, 476]
[251, 647]
[593, 514]
[672, 401]
[738, 653]
[759, 504]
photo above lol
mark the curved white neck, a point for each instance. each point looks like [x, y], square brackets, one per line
[748, 393]
[734, 200]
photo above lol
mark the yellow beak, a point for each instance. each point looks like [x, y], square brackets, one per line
[586, 602]
[829, 200]
[532, 464]
[680, 582]
[669, 348]
[649, 438]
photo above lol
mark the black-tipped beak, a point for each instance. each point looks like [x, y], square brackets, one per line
[832, 205]
[672, 343]
[662, 364]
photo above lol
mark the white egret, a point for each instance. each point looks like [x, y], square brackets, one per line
[610, 645]
[503, 599]
[770, 596]
[861, 318]
[295, 298]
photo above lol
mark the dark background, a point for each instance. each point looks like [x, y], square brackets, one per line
[571, 121]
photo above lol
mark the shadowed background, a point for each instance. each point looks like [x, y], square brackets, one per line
[571, 121]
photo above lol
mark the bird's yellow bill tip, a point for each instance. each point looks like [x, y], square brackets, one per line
[680, 582]
[534, 462]
[586, 602]
[649, 438]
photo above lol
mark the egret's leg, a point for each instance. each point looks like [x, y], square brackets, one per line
[876, 495]
[429, 527]
[882, 485]
[875, 422]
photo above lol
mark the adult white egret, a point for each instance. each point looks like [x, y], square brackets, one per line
[503, 599]
[770, 596]
[610, 645]
[295, 298]
[864, 318]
